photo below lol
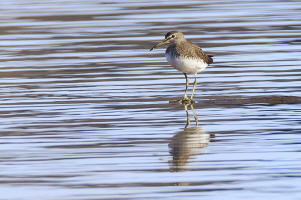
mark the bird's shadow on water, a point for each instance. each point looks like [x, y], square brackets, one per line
[187, 142]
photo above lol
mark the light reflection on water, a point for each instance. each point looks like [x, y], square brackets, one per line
[85, 112]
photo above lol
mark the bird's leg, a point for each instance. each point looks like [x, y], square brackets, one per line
[194, 86]
[187, 84]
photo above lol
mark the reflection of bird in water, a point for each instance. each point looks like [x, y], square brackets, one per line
[187, 142]
[187, 114]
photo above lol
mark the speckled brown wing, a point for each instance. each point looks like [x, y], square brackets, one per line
[200, 53]
[193, 51]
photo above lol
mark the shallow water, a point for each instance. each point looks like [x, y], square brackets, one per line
[85, 105]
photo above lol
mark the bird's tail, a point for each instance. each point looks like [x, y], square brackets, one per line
[210, 59]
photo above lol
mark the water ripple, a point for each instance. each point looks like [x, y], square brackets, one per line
[85, 105]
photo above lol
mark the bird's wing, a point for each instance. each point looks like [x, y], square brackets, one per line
[207, 59]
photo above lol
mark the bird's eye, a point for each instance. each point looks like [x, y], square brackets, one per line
[173, 36]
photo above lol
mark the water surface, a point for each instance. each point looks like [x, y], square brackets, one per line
[85, 110]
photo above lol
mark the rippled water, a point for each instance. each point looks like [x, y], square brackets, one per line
[85, 110]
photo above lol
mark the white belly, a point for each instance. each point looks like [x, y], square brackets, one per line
[187, 65]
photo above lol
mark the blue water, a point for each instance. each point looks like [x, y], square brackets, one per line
[85, 110]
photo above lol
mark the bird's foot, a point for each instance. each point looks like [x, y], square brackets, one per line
[186, 101]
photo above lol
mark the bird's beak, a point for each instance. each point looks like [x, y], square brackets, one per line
[165, 41]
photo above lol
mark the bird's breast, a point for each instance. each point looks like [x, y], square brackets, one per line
[186, 64]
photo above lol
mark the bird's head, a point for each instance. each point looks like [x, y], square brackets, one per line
[170, 37]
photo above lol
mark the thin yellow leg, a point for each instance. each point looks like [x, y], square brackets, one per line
[194, 86]
[187, 84]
